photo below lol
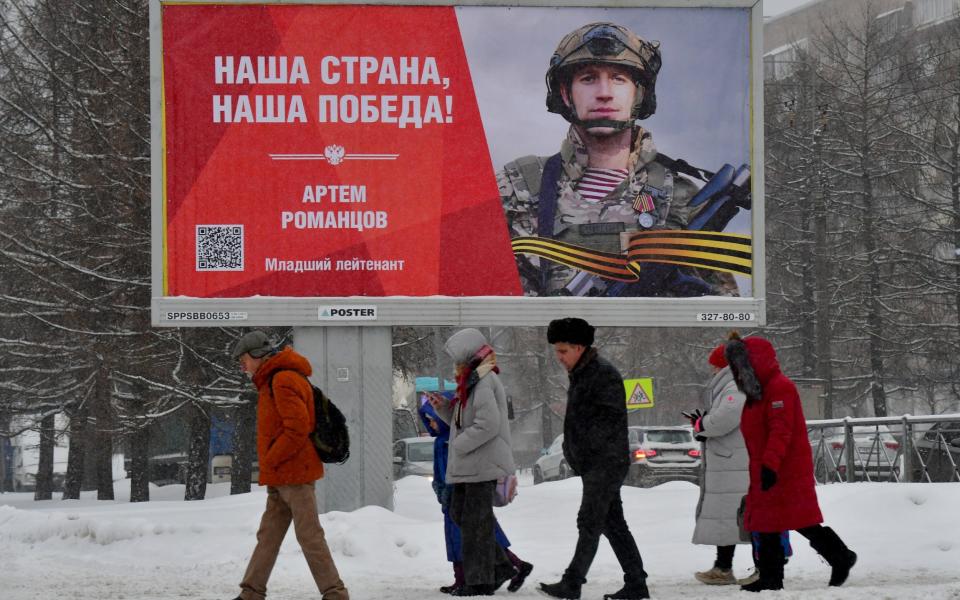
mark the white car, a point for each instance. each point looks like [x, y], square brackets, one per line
[551, 465]
[413, 456]
[663, 453]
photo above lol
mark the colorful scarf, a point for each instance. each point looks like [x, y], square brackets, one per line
[469, 374]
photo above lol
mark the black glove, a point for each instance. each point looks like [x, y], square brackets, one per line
[700, 438]
[768, 478]
[694, 415]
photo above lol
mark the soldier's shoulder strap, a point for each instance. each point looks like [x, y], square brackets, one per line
[539, 176]
[529, 169]
[547, 188]
[681, 166]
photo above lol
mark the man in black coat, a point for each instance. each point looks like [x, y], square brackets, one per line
[595, 446]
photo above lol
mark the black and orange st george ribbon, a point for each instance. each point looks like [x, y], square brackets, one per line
[717, 251]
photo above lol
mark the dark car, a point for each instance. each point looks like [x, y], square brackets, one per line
[939, 452]
[663, 453]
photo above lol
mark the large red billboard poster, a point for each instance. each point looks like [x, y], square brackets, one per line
[326, 152]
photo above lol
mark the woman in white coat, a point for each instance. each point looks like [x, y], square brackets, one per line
[479, 455]
[725, 476]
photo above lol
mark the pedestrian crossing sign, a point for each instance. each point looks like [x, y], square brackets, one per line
[639, 392]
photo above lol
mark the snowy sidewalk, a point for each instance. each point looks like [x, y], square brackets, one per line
[907, 536]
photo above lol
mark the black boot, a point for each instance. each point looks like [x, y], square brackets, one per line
[480, 589]
[840, 558]
[457, 578]
[523, 570]
[630, 591]
[770, 565]
[565, 588]
[503, 574]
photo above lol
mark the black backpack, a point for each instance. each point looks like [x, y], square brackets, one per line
[330, 437]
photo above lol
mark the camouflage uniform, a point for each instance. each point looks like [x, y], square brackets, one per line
[519, 183]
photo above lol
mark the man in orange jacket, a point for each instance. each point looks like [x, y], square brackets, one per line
[289, 465]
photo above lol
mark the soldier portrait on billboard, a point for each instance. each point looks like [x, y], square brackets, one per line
[572, 212]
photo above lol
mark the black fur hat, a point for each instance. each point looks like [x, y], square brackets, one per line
[739, 360]
[570, 330]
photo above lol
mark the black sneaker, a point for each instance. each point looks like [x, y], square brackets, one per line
[517, 582]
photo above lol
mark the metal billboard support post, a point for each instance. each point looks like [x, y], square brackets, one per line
[353, 366]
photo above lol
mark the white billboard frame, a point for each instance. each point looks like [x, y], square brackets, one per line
[180, 311]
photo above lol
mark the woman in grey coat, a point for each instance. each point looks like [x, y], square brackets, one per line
[480, 453]
[726, 475]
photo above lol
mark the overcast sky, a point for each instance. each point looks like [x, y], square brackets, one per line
[772, 8]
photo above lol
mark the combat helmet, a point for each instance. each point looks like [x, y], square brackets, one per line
[605, 43]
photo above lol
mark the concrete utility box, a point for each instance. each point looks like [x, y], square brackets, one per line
[352, 365]
[811, 398]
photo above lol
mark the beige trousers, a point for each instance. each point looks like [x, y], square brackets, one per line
[297, 503]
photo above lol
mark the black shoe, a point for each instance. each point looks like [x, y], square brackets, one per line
[761, 585]
[503, 576]
[448, 589]
[517, 582]
[561, 589]
[482, 589]
[630, 591]
[841, 568]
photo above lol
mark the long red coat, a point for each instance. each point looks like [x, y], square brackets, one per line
[285, 418]
[775, 431]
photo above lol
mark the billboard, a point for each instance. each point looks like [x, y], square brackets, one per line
[386, 164]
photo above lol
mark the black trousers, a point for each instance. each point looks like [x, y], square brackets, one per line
[822, 539]
[471, 508]
[724, 557]
[601, 513]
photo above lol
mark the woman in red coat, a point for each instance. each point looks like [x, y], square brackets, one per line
[782, 493]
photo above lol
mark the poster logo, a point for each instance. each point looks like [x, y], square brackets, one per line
[347, 313]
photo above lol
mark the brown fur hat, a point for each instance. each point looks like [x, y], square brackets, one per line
[739, 360]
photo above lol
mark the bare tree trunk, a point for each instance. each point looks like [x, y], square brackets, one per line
[4, 445]
[103, 436]
[44, 478]
[138, 444]
[244, 446]
[140, 466]
[198, 455]
[76, 454]
[823, 274]
[875, 328]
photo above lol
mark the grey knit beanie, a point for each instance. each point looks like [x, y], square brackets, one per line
[256, 343]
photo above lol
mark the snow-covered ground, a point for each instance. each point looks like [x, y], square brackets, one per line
[907, 536]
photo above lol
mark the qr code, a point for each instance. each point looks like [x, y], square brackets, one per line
[219, 247]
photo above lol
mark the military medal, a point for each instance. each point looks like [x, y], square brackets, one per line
[645, 206]
[644, 203]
